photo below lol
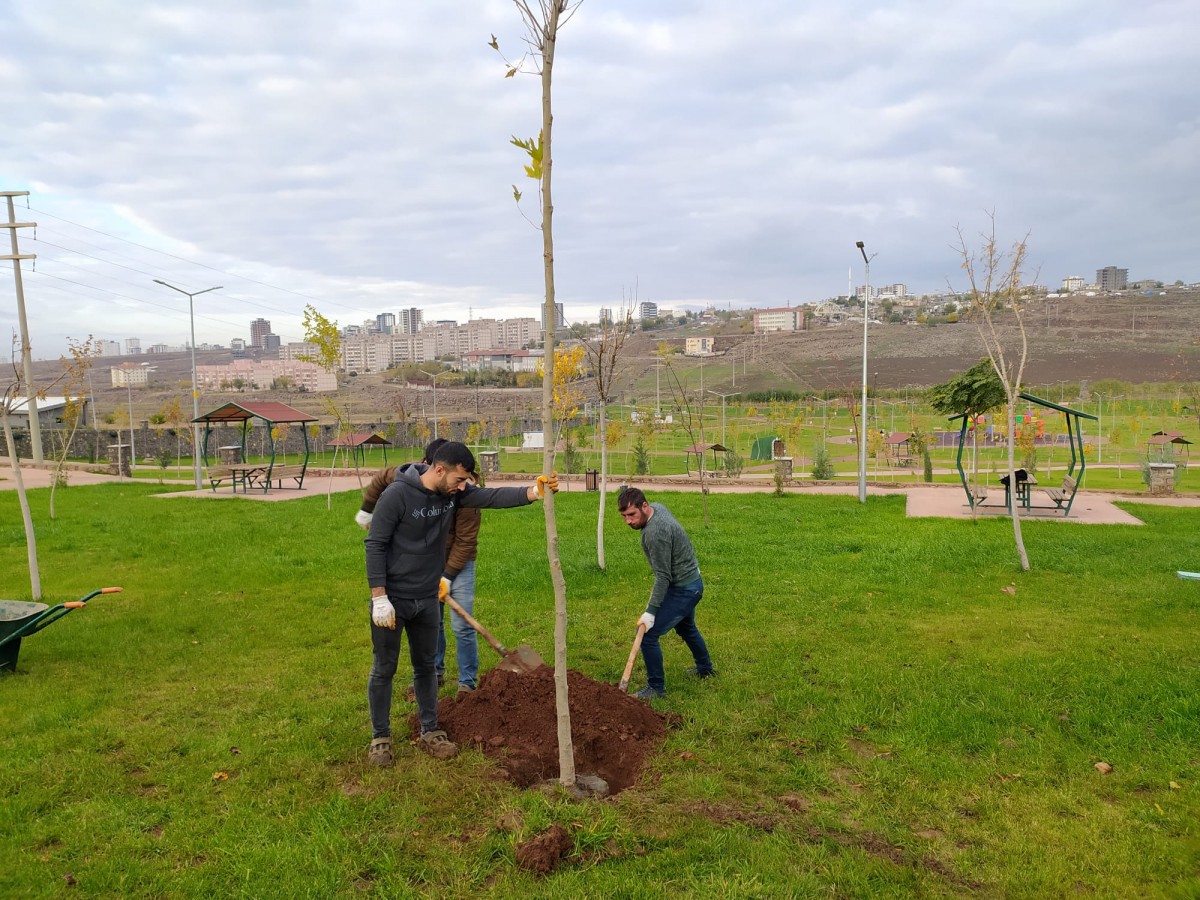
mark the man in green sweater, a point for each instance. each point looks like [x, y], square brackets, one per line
[676, 592]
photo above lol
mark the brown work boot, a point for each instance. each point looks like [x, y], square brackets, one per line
[380, 753]
[437, 745]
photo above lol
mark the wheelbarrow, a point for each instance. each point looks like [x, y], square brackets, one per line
[19, 619]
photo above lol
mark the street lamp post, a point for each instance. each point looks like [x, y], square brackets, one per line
[862, 430]
[433, 378]
[723, 396]
[191, 295]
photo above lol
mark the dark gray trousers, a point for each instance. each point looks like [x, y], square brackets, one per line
[419, 619]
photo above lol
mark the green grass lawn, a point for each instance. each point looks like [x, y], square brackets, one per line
[899, 711]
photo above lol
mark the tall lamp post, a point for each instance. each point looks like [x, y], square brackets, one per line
[434, 379]
[723, 396]
[862, 430]
[195, 390]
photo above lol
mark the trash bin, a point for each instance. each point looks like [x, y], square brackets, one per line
[489, 462]
[591, 480]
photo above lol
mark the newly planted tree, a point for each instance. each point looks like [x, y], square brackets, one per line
[603, 352]
[542, 22]
[13, 398]
[995, 299]
[324, 334]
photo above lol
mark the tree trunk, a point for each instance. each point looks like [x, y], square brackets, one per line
[35, 577]
[603, 485]
[566, 746]
[1015, 507]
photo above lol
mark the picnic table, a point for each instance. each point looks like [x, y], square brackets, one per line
[1022, 491]
[242, 475]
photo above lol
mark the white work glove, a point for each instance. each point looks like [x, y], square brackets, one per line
[362, 518]
[383, 613]
[647, 619]
[443, 589]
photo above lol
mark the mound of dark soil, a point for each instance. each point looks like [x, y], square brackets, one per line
[511, 718]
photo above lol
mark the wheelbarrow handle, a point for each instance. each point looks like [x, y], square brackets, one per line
[53, 614]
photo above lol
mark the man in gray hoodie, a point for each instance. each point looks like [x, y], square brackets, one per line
[406, 559]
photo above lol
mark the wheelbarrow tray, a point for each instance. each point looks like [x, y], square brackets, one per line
[16, 617]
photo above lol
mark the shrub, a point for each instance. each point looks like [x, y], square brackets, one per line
[822, 465]
[733, 464]
[641, 456]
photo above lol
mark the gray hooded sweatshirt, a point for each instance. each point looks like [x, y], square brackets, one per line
[406, 546]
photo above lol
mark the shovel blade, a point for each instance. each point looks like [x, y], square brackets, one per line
[522, 660]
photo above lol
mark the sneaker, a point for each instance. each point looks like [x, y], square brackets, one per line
[649, 693]
[702, 673]
[463, 690]
[437, 745]
[380, 753]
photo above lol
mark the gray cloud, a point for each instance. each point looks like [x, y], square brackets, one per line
[357, 156]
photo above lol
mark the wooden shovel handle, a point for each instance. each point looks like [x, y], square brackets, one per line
[637, 644]
[457, 607]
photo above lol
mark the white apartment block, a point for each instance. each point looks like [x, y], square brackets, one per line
[508, 360]
[377, 352]
[108, 348]
[258, 375]
[129, 375]
[647, 310]
[787, 318]
[1073, 283]
[892, 292]
[133, 346]
[295, 350]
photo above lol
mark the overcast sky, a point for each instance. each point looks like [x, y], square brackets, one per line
[355, 154]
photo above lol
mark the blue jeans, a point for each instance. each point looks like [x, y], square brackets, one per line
[462, 589]
[419, 619]
[677, 611]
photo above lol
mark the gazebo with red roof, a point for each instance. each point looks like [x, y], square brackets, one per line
[270, 414]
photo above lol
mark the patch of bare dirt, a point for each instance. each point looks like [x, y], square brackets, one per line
[545, 852]
[512, 719]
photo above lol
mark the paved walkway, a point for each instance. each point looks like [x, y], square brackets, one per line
[923, 500]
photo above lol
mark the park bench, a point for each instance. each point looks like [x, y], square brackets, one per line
[1061, 495]
[219, 474]
[277, 475]
[979, 492]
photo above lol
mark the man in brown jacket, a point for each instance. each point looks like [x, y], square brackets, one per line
[461, 547]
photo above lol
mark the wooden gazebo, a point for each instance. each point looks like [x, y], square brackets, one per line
[357, 443]
[261, 475]
[699, 450]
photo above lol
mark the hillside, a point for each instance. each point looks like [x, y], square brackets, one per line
[1133, 339]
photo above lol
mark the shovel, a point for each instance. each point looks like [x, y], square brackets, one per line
[637, 643]
[522, 660]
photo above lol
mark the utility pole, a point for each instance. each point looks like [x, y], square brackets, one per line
[35, 425]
